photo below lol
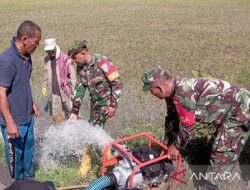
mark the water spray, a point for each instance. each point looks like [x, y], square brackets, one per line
[68, 141]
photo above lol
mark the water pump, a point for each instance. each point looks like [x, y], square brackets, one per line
[135, 168]
[150, 175]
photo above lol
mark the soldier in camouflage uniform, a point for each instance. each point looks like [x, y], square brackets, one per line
[223, 105]
[96, 73]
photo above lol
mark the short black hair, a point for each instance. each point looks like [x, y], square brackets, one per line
[76, 47]
[166, 75]
[27, 28]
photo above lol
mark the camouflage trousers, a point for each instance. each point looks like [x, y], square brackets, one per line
[229, 142]
[98, 116]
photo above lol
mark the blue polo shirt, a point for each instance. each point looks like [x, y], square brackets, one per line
[15, 72]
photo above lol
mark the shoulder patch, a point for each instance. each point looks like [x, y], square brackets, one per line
[113, 76]
[108, 69]
[105, 67]
[187, 118]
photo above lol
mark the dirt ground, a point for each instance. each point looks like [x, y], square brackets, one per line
[5, 179]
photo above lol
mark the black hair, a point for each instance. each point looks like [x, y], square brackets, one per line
[83, 45]
[27, 28]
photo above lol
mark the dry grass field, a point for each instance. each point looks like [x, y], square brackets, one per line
[181, 36]
[211, 36]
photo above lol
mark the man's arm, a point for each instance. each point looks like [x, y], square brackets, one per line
[113, 76]
[79, 92]
[176, 135]
[72, 76]
[12, 128]
[116, 87]
[172, 123]
[36, 109]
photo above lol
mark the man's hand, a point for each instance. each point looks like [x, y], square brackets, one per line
[11, 127]
[110, 111]
[173, 152]
[12, 130]
[45, 91]
[73, 116]
[36, 110]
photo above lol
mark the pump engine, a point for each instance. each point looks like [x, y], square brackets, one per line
[149, 175]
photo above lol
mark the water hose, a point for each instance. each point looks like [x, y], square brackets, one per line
[100, 183]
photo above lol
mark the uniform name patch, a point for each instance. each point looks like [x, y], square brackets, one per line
[113, 76]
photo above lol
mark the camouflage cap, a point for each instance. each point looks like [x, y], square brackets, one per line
[76, 47]
[151, 76]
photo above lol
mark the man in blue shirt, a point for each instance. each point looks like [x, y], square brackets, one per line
[17, 108]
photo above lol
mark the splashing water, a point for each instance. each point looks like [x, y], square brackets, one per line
[68, 141]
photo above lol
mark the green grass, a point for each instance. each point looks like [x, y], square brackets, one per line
[241, 75]
[2, 155]
[155, 128]
[63, 176]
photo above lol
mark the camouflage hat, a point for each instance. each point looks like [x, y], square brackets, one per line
[152, 75]
[76, 47]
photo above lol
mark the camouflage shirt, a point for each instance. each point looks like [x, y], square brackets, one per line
[206, 101]
[102, 80]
